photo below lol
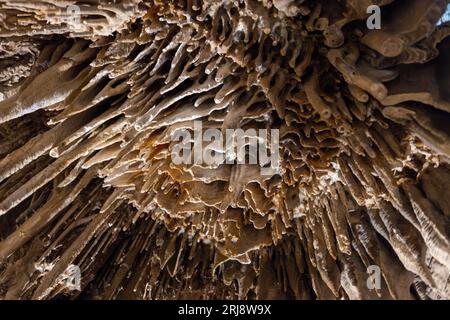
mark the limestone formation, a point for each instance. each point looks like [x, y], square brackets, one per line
[92, 91]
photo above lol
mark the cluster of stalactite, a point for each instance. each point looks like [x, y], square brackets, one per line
[87, 113]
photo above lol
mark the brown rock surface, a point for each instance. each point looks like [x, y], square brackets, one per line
[88, 107]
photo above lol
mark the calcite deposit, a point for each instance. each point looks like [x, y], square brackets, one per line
[93, 207]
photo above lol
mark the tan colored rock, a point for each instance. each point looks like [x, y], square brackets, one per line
[88, 107]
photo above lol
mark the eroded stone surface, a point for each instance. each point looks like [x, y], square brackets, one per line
[86, 178]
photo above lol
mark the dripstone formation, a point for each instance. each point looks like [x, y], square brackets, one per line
[93, 207]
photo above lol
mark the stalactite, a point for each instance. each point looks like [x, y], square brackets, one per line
[89, 104]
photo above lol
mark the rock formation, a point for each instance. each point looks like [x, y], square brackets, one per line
[92, 91]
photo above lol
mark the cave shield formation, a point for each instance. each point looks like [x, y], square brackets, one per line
[93, 207]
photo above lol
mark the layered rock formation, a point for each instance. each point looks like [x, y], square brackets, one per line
[89, 100]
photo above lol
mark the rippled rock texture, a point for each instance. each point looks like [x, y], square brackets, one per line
[92, 207]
